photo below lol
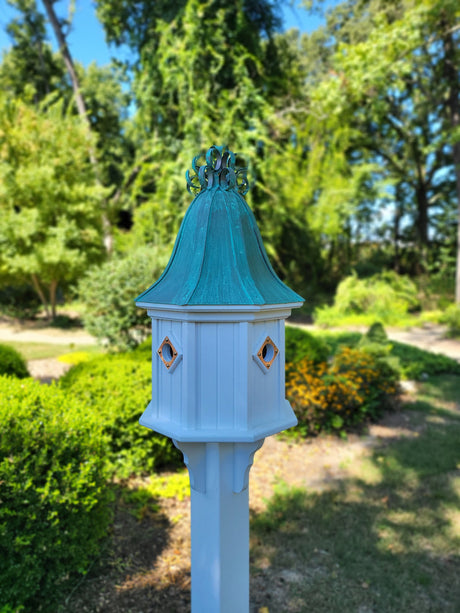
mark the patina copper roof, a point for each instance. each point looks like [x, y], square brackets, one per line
[219, 257]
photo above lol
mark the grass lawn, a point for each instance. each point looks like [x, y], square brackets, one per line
[387, 540]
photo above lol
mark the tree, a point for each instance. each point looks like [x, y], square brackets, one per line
[390, 93]
[30, 68]
[211, 72]
[50, 204]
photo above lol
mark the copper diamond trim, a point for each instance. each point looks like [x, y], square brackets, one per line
[167, 352]
[268, 352]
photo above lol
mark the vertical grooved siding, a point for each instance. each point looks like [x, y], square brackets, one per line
[242, 359]
[227, 347]
[156, 365]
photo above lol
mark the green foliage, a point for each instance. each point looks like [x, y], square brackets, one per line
[54, 499]
[50, 205]
[411, 362]
[451, 317]
[12, 363]
[337, 340]
[376, 333]
[109, 293]
[368, 106]
[417, 364]
[29, 68]
[352, 389]
[384, 296]
[116, 390]
[376, 342]
[301, 344]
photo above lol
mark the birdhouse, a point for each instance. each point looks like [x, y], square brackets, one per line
[218, 314]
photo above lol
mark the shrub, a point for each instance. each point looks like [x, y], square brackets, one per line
[336, 340]
[376, 342]
[117, 389]
[385, 296]
[355, 387]
[12, 363]
[109, 292]
[451, 317]
[53, 496]
[301, 344]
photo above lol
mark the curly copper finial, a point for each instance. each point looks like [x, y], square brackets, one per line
[219, 170]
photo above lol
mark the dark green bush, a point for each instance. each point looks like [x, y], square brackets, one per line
[376, 342]
[19, 301]
[53, 495]
[12, 363]
[117, 389]
[301, 344]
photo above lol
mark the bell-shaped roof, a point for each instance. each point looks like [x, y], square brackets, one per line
[219, 257]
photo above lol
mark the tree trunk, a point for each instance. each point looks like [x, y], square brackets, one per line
[80, 102]
[396, 228]
[422, 226]
[53, 288]
[64, 50]
[37, 287]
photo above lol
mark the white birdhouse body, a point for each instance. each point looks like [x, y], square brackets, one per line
[225, 382]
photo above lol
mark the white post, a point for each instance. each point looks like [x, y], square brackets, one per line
[219, 478]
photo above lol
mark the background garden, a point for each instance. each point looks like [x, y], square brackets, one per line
[352, 138]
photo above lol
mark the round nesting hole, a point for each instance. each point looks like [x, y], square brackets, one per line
[268, 352]
[167, 352]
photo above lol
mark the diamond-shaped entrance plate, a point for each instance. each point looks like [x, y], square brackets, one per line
[168, 353]
[266, 354]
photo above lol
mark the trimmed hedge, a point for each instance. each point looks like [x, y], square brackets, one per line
[53, 496]
[116, 389]
[12, 363]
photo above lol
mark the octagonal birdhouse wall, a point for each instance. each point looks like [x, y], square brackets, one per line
[218, 314]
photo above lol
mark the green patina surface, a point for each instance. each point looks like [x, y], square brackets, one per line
[219, 257]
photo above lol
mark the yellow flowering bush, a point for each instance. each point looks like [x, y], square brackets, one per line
[352, 388]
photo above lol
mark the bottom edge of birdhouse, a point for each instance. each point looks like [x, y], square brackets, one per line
[230, 435]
